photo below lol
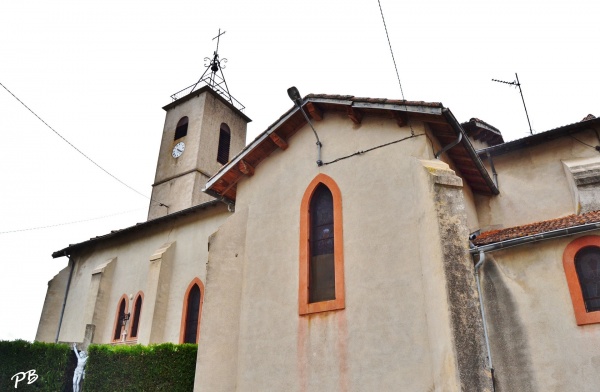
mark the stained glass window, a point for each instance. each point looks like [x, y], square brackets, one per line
[120, 318]
[136, 316]
[587, 264]
[192, 314]
[322, 265]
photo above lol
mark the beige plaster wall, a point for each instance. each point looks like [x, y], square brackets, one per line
[49, 318]
[533, 184]
[132, 255]
[535, 341]
[382, 340]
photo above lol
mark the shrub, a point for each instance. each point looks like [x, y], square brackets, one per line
[163, 367]
[51, 363]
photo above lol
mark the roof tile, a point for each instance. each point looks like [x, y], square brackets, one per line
[493, 236]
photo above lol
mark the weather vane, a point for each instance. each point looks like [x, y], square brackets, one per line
[516, 83]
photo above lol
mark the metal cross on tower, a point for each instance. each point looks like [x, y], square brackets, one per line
[214, 79]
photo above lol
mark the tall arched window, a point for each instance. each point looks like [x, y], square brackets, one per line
[192, 311]
[135, 319]
[181, 129]
[120, 317]
[321, 271]
[587, 264]
[321, 285]
[224, 142]
[581, 260]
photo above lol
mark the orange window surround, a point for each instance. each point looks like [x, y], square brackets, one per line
[186, 303]
[134, 322]
[582, 316]
[304, 304]
[122, 309]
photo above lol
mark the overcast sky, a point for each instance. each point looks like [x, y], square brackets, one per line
[100, 72]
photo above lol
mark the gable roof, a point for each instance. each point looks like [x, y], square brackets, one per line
[440, 120]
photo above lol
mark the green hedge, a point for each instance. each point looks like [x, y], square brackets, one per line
[163, 367]
[51, 363]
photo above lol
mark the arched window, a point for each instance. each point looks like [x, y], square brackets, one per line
[587, 265]
[120, 317]
[581, 261]
[181, 129]
[192, 310]
[321, 248]
[135, 320]
[224, 141]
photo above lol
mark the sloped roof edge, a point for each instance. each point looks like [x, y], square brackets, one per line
[421, 107]
[136, 227]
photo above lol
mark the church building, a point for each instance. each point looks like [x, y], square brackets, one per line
[357, 244]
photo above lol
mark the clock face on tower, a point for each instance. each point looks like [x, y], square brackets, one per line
[178, 149]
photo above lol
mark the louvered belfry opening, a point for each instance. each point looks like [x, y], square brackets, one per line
[587, 264]
[182, 126]
[224, 141]
[322, 264]
[192, 314]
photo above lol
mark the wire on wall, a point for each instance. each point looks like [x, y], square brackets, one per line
[79, 151]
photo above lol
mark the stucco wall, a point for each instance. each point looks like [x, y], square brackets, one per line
[131, 255]
[535, 342]
[381, 340]
[533, 184]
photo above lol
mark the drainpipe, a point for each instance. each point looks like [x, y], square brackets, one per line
[62, 311]
[449, 146]
[489, 156]
[485, 331]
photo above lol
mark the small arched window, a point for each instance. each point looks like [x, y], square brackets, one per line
[137, 310]
[192, 310]
[581, 260]
[224, 142]
[120, 318]
[321, 285]
[587, 264]
[181, 129]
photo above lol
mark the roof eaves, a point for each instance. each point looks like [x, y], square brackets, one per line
[136, 227]
[538, 138]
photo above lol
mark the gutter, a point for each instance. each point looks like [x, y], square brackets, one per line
[535, 238]
[470, 150]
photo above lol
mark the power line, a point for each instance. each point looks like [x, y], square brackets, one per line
[412, 132]
[79, 151]
[68, 223]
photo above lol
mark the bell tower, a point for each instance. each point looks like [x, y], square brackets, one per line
[204, 128]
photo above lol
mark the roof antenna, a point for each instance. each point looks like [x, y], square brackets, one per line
[516, 83]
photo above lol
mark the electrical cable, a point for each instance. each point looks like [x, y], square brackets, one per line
[371, 149]
[79, 151]
[597, 148]
[394, 60]
[69, 223]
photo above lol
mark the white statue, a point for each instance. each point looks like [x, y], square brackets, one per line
[80, 369]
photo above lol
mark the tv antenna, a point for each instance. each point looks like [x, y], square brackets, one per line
[516, 83]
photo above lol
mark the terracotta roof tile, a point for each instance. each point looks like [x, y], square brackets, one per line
[493, 236]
